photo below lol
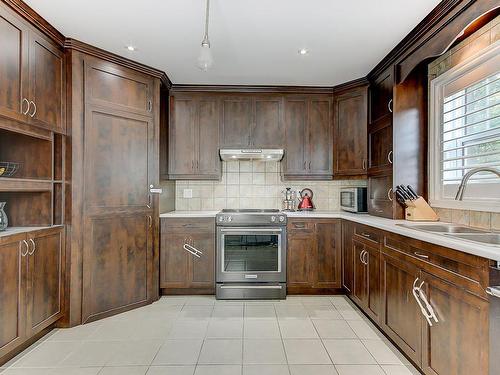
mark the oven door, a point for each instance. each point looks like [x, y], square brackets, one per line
[251, 254]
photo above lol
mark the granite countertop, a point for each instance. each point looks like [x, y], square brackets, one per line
[482, 250]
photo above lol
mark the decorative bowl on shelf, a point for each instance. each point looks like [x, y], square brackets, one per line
[4, 222]
[8, 168]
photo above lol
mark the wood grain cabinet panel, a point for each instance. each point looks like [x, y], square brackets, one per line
[268, 130]
[237, 114]
[381, 96]
[380, 195]
[347, 256]
[47, 83]
[350, 132]
[45, 279]
[194, 137]
[328, 254]
[14, 65]
[180, 270]
[380, 155]
[300, 252]
[12, 293]
[308, 137]
[401, 318]
[457, 343]
[360, 272]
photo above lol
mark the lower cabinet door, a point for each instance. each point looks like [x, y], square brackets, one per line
[174, 260]
[360, 282]
[202, 269]
[44, 279]
[458, 342]
[328, 254]
[12, 293]
[347, 256]
[300, 254]
[401, 317]
[373, 301]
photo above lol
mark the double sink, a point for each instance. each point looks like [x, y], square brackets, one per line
[458, 231]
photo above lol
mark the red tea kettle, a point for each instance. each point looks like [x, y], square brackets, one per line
[306, 203]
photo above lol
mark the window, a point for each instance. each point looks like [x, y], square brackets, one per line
[465, 132]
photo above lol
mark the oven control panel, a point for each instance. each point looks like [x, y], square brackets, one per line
[225, 219]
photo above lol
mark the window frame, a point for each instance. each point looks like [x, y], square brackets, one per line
[489, 55]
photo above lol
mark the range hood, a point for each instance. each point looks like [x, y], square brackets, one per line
[264, 154]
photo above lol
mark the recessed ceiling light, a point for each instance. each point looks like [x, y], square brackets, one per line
[131, 48]
[303, 51]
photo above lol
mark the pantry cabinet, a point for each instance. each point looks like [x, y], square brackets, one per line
[32, 67]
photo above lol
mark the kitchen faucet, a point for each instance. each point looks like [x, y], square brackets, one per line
[468, 175]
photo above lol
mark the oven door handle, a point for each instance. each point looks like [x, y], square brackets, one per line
[264, 230]
[251, 287]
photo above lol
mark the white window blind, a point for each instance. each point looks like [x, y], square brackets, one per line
[465, 132]
[471, 131]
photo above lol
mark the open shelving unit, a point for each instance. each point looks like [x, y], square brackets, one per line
[34, 194]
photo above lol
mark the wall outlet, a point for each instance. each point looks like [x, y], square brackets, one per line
[187, 193]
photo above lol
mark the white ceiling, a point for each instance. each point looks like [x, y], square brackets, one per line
[254, 42]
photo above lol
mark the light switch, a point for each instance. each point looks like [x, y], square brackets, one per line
[187, 193]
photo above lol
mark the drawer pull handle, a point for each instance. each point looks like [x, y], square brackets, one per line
[186, 247]
[423, 256]
[299, 226]
[365, 235]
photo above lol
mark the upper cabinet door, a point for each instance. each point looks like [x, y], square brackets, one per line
[208, 162]
[237, 119]
[295, 162]
[182, 136]
[268, 129]
[47, 84]
[320, 140]
[14, 41]
[350, 124]
[381, 96]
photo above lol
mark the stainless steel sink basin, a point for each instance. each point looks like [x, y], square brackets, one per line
[486, 238]
[442, 228]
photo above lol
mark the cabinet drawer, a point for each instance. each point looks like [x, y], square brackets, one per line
[298, 227]
[464, 270]
[366, 233]
[183, 225]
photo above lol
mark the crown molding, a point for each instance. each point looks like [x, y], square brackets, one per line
[360, 82]
[76, 45]
[27, 13]
[253, 89]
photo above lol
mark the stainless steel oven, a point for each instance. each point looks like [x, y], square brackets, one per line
[251, 254]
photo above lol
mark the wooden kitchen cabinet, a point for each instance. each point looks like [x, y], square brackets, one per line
[31, 285]
[194, 137]
[308, 137]
[32, 89]
[181, 271]
[314, 255]
[347, 256]
[380, 195]
[381, 96]
[350, 132]
[252, 121]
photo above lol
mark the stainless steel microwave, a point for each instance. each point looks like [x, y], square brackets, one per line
[353, 199]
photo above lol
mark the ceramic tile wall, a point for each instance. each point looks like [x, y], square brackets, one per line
[254, 184]
[485, 36]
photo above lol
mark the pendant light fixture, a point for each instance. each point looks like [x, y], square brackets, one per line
[205, 59]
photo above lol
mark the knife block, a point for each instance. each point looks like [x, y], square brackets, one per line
[419, 210]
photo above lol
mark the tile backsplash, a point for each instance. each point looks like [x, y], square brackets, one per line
[253, 184]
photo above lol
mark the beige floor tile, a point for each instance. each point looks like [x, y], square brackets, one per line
[348, 352]
[316, 301]
[124, 370]
[381, 352]
[47, 354]
[291, 311]
[189, 329]
[263, 352]
[178, 352]
[306, 352]
[334, 329]
[218, 370]
[297, 329]
[397, 370]
[365, 330]
[200, 301]
[256, 311]
[197, 312]
[221, 352]
[265, 370]
[261, 329]
[92, 353]
[359, 370]
[171, 370]
[313, 370]
[81, 332]
[228, 312]
[323, 312]
[135, 353]
[225, 328]
[112, 330]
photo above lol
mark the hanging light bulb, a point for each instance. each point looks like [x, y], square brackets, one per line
[205, 59]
